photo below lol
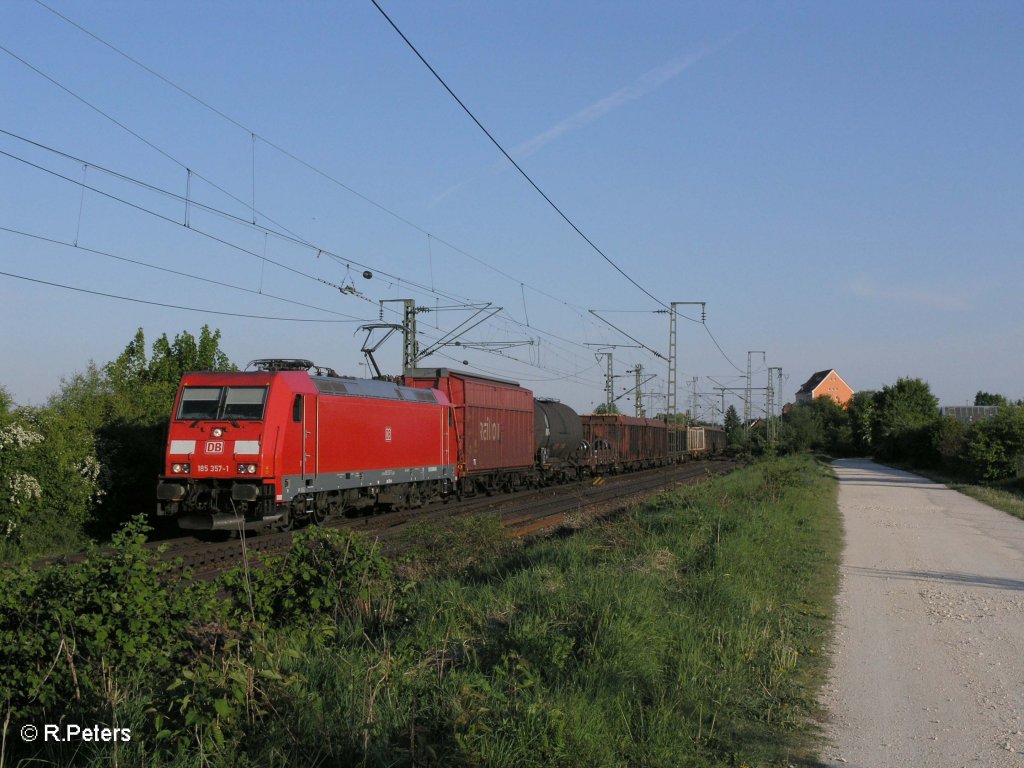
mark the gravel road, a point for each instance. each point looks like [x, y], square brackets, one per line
[928, 657]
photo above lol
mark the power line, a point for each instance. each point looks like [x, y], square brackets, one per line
[309, 166]
[293, 236]
[210, 281]
[235, 219]
[171, 306]
[516, 165]
[253, 136]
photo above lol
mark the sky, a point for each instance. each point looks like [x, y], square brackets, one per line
[839, 183]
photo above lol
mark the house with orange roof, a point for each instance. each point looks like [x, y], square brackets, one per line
[826, 383]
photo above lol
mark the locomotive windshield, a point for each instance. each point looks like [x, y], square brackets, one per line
[227, 403]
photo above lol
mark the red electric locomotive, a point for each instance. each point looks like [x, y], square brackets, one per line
[279, 445]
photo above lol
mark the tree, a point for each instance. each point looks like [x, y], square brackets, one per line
[904, 414]
[818, 425]
[604, 408]
[732, 419]
[987, 398]
[735, 431]
[106, 427]
[860, 412]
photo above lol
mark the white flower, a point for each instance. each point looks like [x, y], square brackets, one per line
[24, 488]
[17, 436]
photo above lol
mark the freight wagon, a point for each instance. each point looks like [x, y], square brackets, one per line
[493, 427]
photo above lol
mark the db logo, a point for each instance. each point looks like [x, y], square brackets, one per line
[215, 446]
[387, 434]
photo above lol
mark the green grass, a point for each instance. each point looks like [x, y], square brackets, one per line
[1008, 498]
[689, 632]
[1006, 495]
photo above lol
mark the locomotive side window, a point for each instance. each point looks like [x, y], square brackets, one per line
[244, 403]
[199, 403]
[297, 409]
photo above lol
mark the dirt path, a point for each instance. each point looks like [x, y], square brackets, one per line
[929, 649]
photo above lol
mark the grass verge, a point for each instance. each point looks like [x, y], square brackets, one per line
[1006, 495]
[687, 633]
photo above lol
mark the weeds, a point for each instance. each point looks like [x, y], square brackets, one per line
[685, 633]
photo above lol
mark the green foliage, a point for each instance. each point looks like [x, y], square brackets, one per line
[605, 408]
[686, 633]
[818, 425]
[860, 413]
[446, 547]
[73, 636]
[995, 447]
[325, 575]
[50, 482]
[904, 415]
[987, 398]
[85, 461]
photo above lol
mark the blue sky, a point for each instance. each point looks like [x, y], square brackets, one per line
[841, 183]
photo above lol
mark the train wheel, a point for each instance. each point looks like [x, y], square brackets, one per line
[287, 521]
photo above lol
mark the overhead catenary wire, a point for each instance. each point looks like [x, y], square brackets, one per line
[253, 136]
[295, 158]
[228, 216]
[177, 272]
[516, 165]
[172, 306]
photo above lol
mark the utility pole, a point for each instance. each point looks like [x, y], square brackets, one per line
[772, 431]
[721, 391]
[746, 398]
[673, 361]
[609, 377]
[638, 401]
[609, 382]
[672, 356]
[693, 399]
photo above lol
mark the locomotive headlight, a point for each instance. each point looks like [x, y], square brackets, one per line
[218, 432]
[180, 469]
[247, 469]
[252, 469]
[176, 469]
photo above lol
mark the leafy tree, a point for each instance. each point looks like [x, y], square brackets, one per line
[860, 413]
[732, 419]
[995, 449]
[91, 455]
[818, 425]
[49, 481]
[987, 398]
[736, 434]
[904, 414]
[604, 408]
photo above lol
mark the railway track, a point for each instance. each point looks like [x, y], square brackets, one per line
[524, 514]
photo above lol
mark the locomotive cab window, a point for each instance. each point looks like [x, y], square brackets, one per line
[199, 403]
[297, 409]
[244, 403]
[227, 403]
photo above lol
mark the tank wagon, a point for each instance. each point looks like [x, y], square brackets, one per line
[291, 442]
